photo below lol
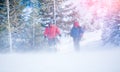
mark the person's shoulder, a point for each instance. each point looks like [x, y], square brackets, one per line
[47, 27]
[79, 27]
[73, 27]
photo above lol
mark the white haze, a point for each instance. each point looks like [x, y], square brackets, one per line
[92, 57]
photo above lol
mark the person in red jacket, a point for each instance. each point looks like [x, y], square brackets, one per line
[51, 32]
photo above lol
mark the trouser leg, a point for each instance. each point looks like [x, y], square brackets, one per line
[76, 43]
[52, 44]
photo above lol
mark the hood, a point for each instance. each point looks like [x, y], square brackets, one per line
[76, 24]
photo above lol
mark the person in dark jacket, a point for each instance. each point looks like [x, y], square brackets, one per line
[76, 33]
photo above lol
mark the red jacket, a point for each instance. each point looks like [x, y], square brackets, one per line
[52, 31]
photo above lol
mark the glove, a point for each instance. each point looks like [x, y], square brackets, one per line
[59, 35]
[45, 36]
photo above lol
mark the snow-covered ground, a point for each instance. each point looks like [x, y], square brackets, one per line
[92, 57]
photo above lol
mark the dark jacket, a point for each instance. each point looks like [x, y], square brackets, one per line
[76, 31]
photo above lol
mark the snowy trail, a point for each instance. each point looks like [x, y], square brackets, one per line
[91, 41]
[91, 58]
[98, 61]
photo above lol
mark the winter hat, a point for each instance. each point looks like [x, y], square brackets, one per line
[76, 24]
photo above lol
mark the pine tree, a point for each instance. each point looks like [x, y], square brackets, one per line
[32, 20]
[25, 24]
[111, 27]
[4, 41]
[47, 11]
[37, 29]
[19, 28]
[111, 30]
[66, 15]
[27, 31]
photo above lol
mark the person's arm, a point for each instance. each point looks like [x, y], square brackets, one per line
[71, 32]
[81, 32]
[58, 31]
[46, 32]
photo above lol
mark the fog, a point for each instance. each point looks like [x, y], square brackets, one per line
[92, 57]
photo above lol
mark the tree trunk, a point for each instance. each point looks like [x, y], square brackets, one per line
[9, 26]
